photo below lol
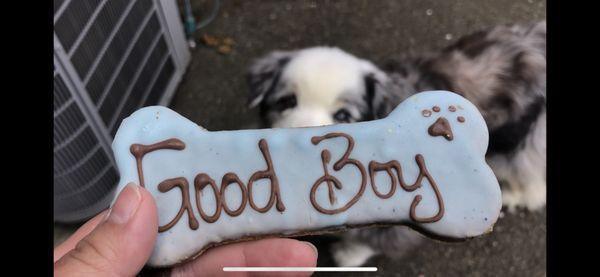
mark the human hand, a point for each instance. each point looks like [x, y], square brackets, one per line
[119, 241]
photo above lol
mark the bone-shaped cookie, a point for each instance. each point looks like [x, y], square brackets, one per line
[421, 166]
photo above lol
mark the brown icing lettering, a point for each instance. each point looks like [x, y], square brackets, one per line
[337, 166]
[390, 166]
[441, 127]
[423, 172]
[374, 167]
[139, 150]
[200, 182]
[269, 173]
[183, 185]
[229, 179]
[331, 181]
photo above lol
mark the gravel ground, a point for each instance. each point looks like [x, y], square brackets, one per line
[378, 31]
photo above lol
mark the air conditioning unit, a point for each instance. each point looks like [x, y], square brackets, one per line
[111, 57]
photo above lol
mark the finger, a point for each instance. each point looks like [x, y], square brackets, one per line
[83, 231]
[267, 252]
[120, 245]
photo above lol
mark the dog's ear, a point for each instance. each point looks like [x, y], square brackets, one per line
[379, 94]
[264, 73]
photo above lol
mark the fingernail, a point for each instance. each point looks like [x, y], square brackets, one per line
[106, 214]
[314, 248]
[127, 203]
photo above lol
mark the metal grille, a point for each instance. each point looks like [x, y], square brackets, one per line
[111, 58]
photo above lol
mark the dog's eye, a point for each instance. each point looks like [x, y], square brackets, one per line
[342, 115]
[285, 103]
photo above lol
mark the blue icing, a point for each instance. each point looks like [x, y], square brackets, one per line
[469, 190]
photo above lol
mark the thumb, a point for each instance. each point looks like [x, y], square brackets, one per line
[121, 244]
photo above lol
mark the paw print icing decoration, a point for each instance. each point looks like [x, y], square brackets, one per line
[441, 127]
[422, 166]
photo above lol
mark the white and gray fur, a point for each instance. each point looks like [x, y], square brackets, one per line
[315, 86]
[501, 70]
